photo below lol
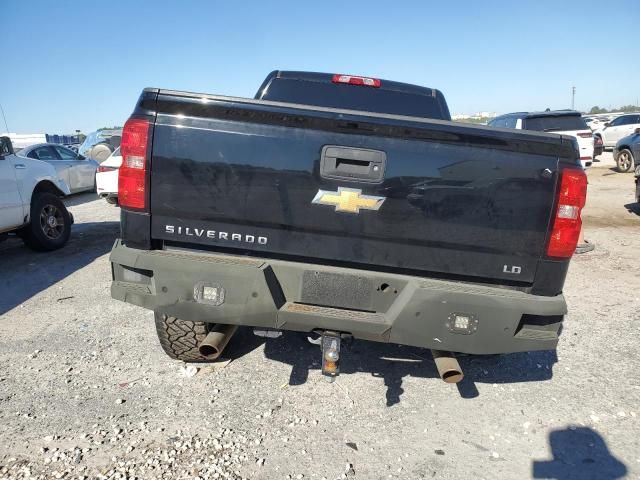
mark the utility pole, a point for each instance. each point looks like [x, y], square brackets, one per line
[573, 98]
[5, 118]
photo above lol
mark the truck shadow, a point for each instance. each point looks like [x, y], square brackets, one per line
[393, 363]
[24, 273]
[579, 453]
[633, 208]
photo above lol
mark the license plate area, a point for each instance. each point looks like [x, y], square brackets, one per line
[337, 290]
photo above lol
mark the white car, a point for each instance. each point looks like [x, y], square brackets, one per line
[618, 128]
[596, 123]
[77, 171]
[30, 204]
[563, 122]
[107, 177]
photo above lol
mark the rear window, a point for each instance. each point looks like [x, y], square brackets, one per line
[560, 123]
[354, 97]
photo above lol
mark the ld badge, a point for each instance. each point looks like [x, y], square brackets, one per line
[349, 200]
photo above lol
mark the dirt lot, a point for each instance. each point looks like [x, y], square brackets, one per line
[85, 390]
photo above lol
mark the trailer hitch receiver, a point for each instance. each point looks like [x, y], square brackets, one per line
[330, 345]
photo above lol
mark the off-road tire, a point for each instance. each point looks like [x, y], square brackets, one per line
[180, 338]
[624, 160]
[34, 235]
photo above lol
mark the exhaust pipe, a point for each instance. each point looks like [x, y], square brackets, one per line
[215, 341]
[447, 365]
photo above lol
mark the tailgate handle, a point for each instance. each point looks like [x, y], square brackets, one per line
[354, 164]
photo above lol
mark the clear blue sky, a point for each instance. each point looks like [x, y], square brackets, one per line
[71, 65]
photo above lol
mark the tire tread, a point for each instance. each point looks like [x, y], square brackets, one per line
[180, 338]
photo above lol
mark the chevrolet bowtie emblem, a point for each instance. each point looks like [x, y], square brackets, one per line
[348, 200]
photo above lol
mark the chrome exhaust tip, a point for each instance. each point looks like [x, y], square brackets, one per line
[216, 340]
[448, 367]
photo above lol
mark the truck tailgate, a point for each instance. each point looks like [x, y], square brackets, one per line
[451, 199]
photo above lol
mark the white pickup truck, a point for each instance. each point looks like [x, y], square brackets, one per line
[30, 201]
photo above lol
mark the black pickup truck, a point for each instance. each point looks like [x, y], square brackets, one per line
[343, 206]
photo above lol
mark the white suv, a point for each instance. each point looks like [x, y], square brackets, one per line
[30, 204]
[618, 128]
[563, 122]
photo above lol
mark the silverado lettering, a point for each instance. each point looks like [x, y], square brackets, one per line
[200, 232]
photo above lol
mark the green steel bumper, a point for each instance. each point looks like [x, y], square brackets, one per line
[368, 305]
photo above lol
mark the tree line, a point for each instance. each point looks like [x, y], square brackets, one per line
[625, 108]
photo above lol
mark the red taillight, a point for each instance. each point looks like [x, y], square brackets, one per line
[133, 171]
[102, 169]
[585, 134]
[354, 80]
[567, 223]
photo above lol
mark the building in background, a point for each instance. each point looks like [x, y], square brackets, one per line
[464, 116]
[63, 139]
[479, 117]
[23, 140]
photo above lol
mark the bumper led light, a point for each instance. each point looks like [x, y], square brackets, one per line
[209, 293]
[462, 323]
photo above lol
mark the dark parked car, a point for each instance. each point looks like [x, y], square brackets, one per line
[598, 147]
[627, 152]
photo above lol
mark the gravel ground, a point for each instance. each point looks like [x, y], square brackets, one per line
[86, 392]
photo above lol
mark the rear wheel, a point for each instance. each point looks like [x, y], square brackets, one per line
[624, 160]
[50, 224]
[180, 338]
[112, 200]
